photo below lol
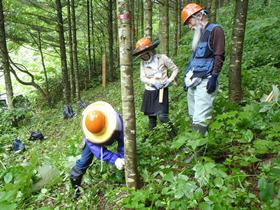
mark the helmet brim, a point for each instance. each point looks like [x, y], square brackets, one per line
[139, 52]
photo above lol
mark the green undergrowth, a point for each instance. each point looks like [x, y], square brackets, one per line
[237, 165]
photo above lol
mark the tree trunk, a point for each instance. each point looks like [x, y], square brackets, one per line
[132, 29]
[65, 82]
[175, 43]
[93, 40]
[131, 173]
[110, 41]
[213, 11]
[44, 69]
[235, 89]
[148, 24]
[164, 27]
[116, 41]
[75, 52]
[137, 19]
[4, 59]
[141, 18]
[71, 70]
[179, 20]
[89, 45]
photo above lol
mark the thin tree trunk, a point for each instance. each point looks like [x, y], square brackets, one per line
[116, 42]
[137, 21]
[133, 30]
[44, 69]
[179, 20]
[148, 24]
[141, 13]
[89, 44]
[110, 41]
[213, 11]
[93, 40]
[71, 70]
[75, 52]
[164, 27]
[175, 43]
[128, 108]
[4, 59]
[65, 82]
[235, 88]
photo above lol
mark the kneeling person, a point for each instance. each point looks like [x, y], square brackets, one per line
[102, 126]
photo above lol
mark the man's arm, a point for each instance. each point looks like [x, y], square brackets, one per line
[97, 151]
[218, 45]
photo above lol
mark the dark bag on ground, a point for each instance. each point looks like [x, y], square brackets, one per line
[18, 145]
[68, 112]
[82, 104]
[36, 135]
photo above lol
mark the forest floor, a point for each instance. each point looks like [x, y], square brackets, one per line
[238, 169]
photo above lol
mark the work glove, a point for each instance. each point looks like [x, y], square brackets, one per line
[119, 163]
[212, 83]
[167, 83]
[157, 85]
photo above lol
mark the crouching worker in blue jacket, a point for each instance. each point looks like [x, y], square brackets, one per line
[102, 126]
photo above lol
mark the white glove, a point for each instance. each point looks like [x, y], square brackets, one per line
[167, 83]
[157, 85]
[119, 163]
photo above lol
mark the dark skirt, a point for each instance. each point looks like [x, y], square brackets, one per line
[151, 105]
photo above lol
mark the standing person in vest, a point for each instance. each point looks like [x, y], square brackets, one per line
[153, 73]
[202, 72]
[102, 126]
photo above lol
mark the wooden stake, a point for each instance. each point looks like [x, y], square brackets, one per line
[269, 97]
[104, 70]
[161, 91]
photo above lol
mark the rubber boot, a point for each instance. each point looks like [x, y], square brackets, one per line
[200, 128]
[76, 179]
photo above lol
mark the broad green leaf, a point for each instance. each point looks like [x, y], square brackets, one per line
[247, 136]
[8, 206]
[8, 177]
[203, 172]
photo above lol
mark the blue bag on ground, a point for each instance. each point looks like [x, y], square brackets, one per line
[18, 145]
[36, 135]
[68, 112]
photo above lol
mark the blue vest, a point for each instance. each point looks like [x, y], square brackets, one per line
[203, 57]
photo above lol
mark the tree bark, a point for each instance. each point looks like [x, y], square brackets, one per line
[75, 52]
[148, 24]
[65, 82]
[213, 11]
[110, 41]
[93, 39]
[164, 27]
[179, 20]
[44, 69]
[128, 108]
[116, 42]
[4, 59]
[175, 42]
[89, 44]
[235, 88]
[71, 70]
[132, 29]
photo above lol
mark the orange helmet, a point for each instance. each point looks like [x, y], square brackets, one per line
[143, 45]
[95, 121]
[189, 10]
